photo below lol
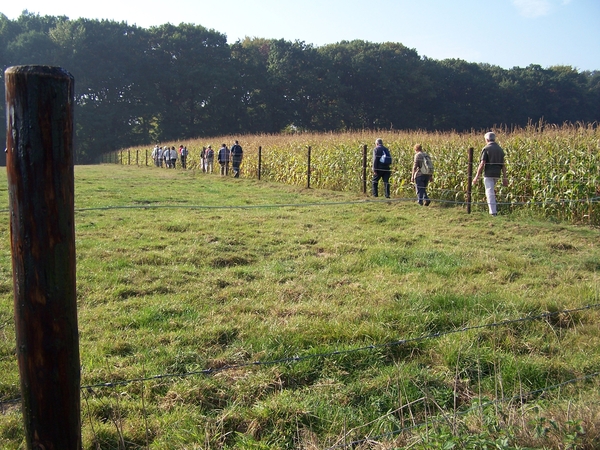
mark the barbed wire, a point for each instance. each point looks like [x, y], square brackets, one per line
[340, 203]
[296, 358]
[465, 412]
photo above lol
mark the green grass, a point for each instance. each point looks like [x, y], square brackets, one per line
[178, 272]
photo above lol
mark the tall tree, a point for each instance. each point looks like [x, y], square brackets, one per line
[189, 72]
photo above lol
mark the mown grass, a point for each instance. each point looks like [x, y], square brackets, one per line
[325, 319]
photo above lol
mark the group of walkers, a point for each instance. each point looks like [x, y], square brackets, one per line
[225, 156]
[491, 166]
[169, 156]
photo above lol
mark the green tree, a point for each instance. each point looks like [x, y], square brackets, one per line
[189, 72]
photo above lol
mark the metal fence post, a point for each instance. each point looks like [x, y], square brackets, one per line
[259, 160]
[364, 168]
[469, 180]
[308, 170]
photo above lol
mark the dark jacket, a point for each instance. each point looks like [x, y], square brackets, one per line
[493, 155]
[236, 153]
[377, 164]
[223, 155]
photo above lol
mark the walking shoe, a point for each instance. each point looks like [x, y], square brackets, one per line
[427, 202]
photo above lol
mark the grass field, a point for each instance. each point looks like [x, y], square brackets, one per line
[552, 170]
[235, 313]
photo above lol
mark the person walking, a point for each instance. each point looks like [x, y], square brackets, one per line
[171, 157]
[157, 155]
[203, 159]
[161, 156]
[210, 159]
[492, 166]
[167, 156]
[422, 174]
[236, 158]
[382, 161]
[183, 154]
[223, 158]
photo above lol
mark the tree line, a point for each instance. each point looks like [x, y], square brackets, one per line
[137, 86]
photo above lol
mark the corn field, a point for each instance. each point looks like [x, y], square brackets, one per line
[551, 169]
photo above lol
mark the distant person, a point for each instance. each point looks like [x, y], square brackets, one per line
[183, 154]
[223, 158]
[167, 157]
[492, 165]
[157, 155]
[210, 159]
[382, 161]
[170, 157]
[236, 158]
[422, 174]
[161, 156]
[173, 158]
[203, 159]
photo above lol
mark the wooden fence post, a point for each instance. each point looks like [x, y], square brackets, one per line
[364, 169]
[40, 102]
[128, 157]
[259, 161]
[470, 180]
[308, 170]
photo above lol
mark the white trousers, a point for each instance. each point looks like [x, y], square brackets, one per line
[490, 193]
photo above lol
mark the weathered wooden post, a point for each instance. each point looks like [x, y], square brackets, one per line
[259, 160]
[129, 157]
[39, 101]
[364, 168]
[470, 180]
[308, 170]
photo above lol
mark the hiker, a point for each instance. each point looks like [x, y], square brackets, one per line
[203, 159]
[236, 158]
[382, 160]
[157, 155]
[210, 159]
[183, 154]
[223, 158]
[492, 165]
[170, 156]
[422, 174]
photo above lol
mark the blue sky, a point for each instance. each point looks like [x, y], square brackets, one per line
[507, 33]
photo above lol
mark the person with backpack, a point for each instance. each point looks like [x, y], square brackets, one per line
[422, 174]
[236, 158]
[492, 166]
[382, 161]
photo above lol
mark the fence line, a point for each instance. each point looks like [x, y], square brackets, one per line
[310, 174]
[347, 202]
[296, 358]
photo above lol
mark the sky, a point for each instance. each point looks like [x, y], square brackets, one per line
[506, 33]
